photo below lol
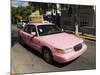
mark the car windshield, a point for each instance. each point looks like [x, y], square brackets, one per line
[48, 29]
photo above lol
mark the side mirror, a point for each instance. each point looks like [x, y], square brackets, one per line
[33, 33]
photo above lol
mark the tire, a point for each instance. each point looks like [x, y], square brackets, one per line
[47, 55]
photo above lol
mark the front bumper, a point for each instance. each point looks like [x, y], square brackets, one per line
[63, 58]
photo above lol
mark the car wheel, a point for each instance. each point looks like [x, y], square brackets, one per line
[47, 55]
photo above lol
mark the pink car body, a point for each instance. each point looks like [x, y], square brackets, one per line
[61, 45]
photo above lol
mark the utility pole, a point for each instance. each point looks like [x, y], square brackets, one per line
[76, 21]
[76, 30]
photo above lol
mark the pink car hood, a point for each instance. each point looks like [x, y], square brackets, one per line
[61, 40]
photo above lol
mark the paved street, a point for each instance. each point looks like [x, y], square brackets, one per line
[27, 60]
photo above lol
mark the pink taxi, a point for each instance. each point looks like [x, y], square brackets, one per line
[51, 42]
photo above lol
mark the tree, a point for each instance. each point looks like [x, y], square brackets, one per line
[43, 7]
[18, 13]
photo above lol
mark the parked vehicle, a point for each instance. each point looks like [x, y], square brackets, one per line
[51, 42]
[22, 23]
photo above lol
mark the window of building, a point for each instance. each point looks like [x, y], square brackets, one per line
[84, 20]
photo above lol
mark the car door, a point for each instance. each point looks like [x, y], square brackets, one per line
[27, 34]
[30, 39]
[34, 41]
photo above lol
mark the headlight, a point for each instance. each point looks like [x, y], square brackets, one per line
[63, 50]
[68, 50]
[58, 50]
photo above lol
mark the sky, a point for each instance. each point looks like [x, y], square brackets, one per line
[17, 3]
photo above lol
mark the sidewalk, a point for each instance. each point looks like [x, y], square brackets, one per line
[88, 36]
[84, 36]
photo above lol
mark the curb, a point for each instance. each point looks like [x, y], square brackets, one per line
[13, 71]
[88, 37]
[85, 36]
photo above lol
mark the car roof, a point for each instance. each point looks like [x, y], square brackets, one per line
[41, 23]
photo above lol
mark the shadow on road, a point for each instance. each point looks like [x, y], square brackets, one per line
[14, 39]
[56, 64]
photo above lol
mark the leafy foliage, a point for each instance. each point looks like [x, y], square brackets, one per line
[18, 13]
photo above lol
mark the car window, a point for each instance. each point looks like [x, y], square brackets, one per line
[30, 28]
[25, 28]
[33, 28]
[48, 29]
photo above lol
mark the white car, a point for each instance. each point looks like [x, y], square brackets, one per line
[22, 24]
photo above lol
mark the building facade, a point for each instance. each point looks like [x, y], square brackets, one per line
[84, 16]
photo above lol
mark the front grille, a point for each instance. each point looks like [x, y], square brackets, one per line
[78, 47]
